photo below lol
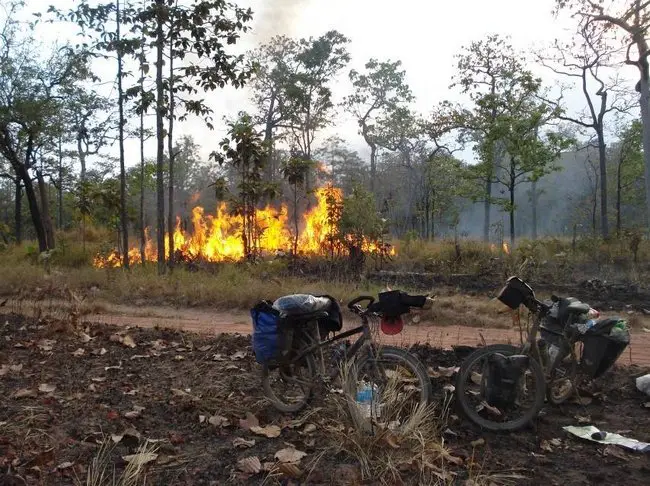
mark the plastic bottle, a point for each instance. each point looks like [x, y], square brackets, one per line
[368, 400]
[585, 326]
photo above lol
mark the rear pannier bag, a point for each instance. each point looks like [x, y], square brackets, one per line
[602, 346]
[266, 332]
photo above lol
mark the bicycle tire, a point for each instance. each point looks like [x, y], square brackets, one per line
[277, 401]
[398, 354]
[572, 373]
[471, 413]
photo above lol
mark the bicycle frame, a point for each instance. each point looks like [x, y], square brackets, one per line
[318, 345]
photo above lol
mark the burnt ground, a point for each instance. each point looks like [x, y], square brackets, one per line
[64, 393]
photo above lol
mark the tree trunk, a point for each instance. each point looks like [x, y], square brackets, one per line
[45, 214]
[60, 188]
[120, 104]
[487, 206]
[512, 204]
[268, 140]
[18, 212]
[373, 166]
[170, 148]
[618, 197]
[160, 137]
[534, 208]
[602, 159]
[82, 157]
[645, 118]
[141, 216]
[34, 210]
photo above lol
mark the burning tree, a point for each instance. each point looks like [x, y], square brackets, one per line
[245, 151]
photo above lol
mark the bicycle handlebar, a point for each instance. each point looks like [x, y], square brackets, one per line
[403, 304]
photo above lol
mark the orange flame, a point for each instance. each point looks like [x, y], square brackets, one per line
[506, 248]
[218, 237]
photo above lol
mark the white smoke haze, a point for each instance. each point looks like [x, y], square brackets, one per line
[276, 17]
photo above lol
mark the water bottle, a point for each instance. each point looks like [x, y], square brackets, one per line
[368, 400]
[583, 327]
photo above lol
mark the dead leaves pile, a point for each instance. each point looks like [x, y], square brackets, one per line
[286, 460]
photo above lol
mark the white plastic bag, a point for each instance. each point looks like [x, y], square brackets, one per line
[300, 304]
[643, 384]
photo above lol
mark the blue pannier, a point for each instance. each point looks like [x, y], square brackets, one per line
[266, 332]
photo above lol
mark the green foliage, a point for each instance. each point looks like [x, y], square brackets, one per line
[359, 218]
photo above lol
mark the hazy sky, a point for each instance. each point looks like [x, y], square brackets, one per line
[424, 34]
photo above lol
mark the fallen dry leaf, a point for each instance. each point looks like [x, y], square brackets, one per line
[46, 388]
[476, 377]
[205, 348]
[289, 454]
[546, 446]
[128, 341]
[583, 420]
[583, 400]
[243, 443]
[178, 357]
[447, 372]
[290, 470]
[391, 440]
[250, 421]
[25, 393]
[99, 379]
[478, 442]
[141, 458]
[270, 431]
[85, 338]
[201, 419]
[46, 344]
[79, 352]
[65, 465]
[614, 451]
[309, 428]
[99, 352]
[250, 465]
[238, 355]
[218, 357]
[556, 442]
[218, 421]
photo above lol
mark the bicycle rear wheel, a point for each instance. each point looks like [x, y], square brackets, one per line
[471, 391]
[290, 384]
[399, 382]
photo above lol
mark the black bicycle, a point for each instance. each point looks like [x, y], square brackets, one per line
[377, 377]
[503, 387]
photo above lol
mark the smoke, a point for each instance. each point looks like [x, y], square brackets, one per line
[277, 17]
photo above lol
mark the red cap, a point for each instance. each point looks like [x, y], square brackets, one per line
[392, 325]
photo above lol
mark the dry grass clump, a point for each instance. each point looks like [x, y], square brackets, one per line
[102, 472]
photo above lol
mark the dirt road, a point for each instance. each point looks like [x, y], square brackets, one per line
[217, 322]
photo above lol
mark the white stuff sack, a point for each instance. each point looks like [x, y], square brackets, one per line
[300, 304]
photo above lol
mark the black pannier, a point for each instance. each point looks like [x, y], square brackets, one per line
[603, 344]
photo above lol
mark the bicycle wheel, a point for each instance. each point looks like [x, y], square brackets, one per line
[529, 399]
[561, 381]
[291, 389]
[399, 382]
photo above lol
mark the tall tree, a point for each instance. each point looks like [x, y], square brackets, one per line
[380, 89]
[31, 91]
[309, 103]
[584, 60]
[295, 172]
[275, 63]
[629, 168]
[119, 50]
[527, 156]
[632, 19]
[245, 151]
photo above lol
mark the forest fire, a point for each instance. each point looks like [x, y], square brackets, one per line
[218, 237]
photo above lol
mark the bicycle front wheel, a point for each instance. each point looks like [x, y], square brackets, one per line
[398, 383]
[499, 412]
